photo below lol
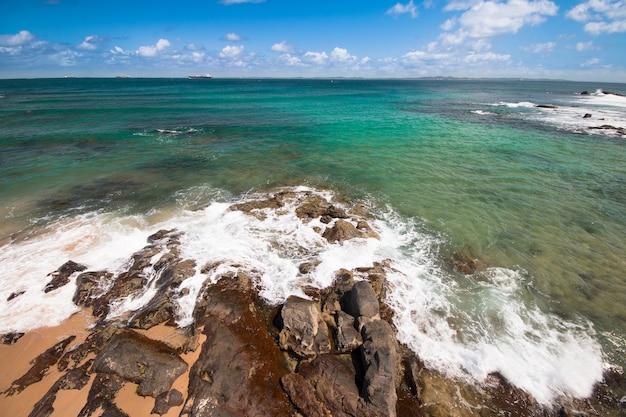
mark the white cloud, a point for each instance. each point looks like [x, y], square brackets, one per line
[400, 8]
[448, 24]
[584, 46]
[474, 57]
[600, 16]
[231, 51]
[318, 58]
[90, 43]
[283, 47]
[590, 62]
[341, 55]
[489, 18]
[20, 38]
[153, 50]
[233, 37]
[229, 2]
[541, 48]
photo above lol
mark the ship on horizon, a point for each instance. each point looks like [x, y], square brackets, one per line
[199, 77]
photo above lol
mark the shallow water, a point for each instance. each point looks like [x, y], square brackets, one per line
[92, 167]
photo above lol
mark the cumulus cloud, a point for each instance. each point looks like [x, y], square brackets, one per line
[231, 51]
[584, 46]
[541, 48]
[399, 9]
[489, 18]
[153, 50]
[282, 47]
[600, 16]
[233, 37]
[341, 55]
[319, 58]
[90, 43]
[20, 38]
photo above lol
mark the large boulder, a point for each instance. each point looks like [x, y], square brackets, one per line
[240, 365]
[342, 230]
[381, 365]
[153, 365]
[347, 337]
[304, 331]
[363, 301]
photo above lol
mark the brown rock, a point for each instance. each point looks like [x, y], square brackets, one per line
[61, 276]
[304, 331]
[302, 395]
[41, 365]
[342, 230]
[152, 365]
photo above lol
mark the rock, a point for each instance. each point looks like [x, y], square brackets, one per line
[15, 295]
[102, 396]
[336, 212]
[367, 231]
[313, 207]
[302, 395]
[381, 365]
[167, 400]
[363, 301]
[161, 308]
[546, 106]
[587, 116]
[74, 379]
[41, 365]
[347, 337]
[303, 330]
[90, 286]
[240, 365]
[61, 276]
[342, 230]
[151, 364]
[333, 378]
[10, 338]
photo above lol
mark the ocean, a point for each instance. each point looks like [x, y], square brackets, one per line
[527, 177]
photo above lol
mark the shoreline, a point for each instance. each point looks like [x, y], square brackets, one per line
[242, 354]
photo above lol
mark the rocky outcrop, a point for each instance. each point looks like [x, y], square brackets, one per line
[330, 352]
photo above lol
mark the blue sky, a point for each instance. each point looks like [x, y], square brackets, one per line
[574, 39]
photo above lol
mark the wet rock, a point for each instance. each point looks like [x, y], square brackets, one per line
[74, 379]
[333, 378]
[335, 212]
[167, 400]
[347, 337]
[363, 301]
[381, 364]
[10, 338]
[587, 116]
[61, 276]
[342, 230]
[312, 207]
[41, 365]
[239, 368]
[152, 365]
[15, 294]
[93, 344]
[302, 394]
[304, 331]
[90, 286]
[102, 397]
[464, 263]
[546, 106]
[161, 308]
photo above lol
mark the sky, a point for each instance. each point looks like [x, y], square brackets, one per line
[560, 39]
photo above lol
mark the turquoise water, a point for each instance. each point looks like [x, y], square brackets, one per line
[473, 164]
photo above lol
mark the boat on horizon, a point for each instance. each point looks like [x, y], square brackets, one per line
[199, 77]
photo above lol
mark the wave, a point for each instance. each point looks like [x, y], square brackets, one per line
[466, 326]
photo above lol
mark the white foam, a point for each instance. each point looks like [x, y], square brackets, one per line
[522, 104]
